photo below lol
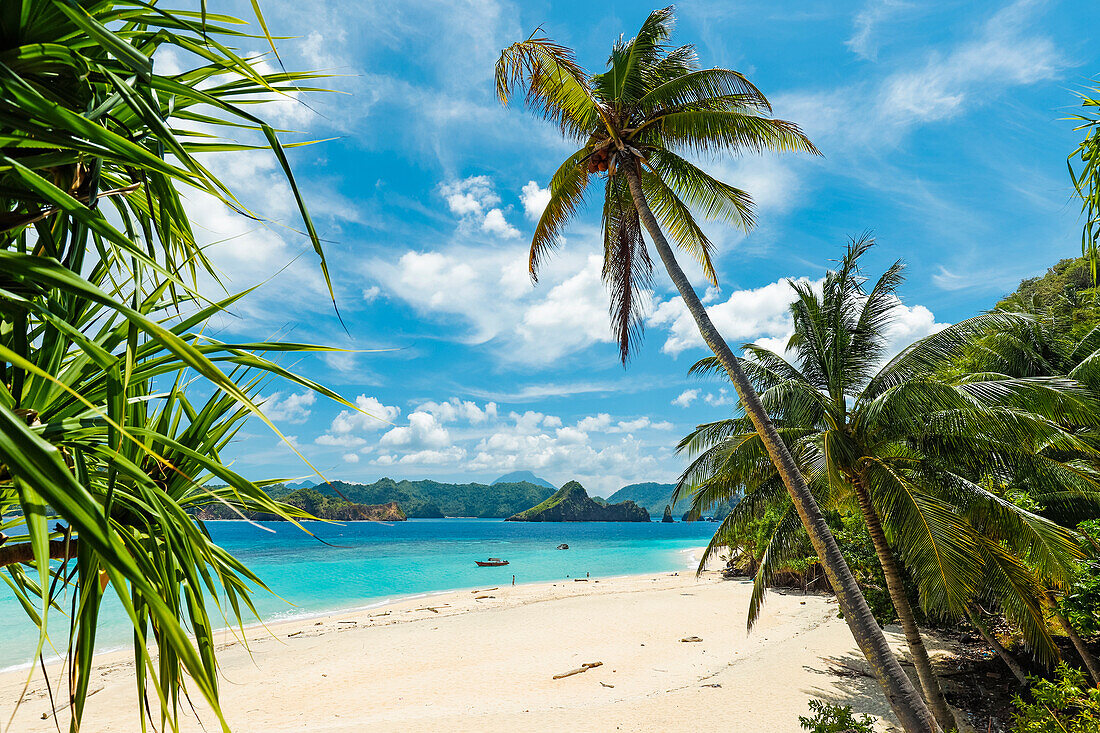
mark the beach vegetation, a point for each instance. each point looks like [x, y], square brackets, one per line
[1064, 704]
[115, 407]
[912, 455]
[639, 127]
[829, 718]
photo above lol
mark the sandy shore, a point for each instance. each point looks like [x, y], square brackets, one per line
[485, 661]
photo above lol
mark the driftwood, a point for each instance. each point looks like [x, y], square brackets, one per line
[486, 590]
[291, 636]
[478, 598]
[605, 684]
[583, 668]
[691, 638]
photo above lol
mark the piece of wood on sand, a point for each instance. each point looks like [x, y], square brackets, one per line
[583, 668]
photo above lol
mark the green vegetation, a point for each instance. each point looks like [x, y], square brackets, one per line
[1086, 179]
[1065, 704]
[571, 503]
[921, 460]
[828, 718]
[433, 499]
[313, 503]
[1063, 298]
[102, 354]
[632, 122]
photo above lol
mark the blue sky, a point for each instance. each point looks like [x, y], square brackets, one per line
[942, 131]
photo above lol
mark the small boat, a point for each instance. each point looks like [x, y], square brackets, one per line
[563, 546]
[492, 562]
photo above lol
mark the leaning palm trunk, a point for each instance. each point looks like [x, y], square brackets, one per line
[991, 639]
[933, 694]
[903, 697]
[1078, 643]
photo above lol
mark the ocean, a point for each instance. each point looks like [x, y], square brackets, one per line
[369, 563]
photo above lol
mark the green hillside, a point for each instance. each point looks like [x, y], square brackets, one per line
[428, 499]
[314, 502]
[655, 496]
[571, 503]
[1064, 293]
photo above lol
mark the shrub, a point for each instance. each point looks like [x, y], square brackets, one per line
[1067, 704]
[835, 719]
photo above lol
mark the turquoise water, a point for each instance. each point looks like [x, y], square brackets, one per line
[369, 563]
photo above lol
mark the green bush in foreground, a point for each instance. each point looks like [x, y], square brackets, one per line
[835, 719]
[1065, 705]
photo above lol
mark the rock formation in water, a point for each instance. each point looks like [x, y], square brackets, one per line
[571, 503]
[667, 518]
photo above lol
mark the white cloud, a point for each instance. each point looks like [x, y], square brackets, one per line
[351, 458]
[371, 294]
[722, 398]
[456, 409]
[686, 397]
[423, 431]
[348, 425]
[864, 42]
[762, 316]
[289, 408]
[745, 315]
[489, 289]
[474, 201]
[534, 200]
[1005, 52]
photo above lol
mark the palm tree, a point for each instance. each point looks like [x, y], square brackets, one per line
[1034, 347]
[900, 448]
[1087, 181]
[102, 452]
[629, 121]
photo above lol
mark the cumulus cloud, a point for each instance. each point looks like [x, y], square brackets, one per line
[348, 425]
[290, 408]
[686, 397]
[475, 201]
[534, 199]
[762, 316]
[491, 292]
[423, 431]
[745, 315]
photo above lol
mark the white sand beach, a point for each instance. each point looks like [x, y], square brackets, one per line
[485, 661]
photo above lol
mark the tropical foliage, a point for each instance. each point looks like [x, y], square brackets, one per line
[1086, 178]
[1065, 704]
[925, 462]
[105, 444]
[641, 122]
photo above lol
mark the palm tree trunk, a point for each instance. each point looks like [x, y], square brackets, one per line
[1078, 643]
[933, 694]
[1008, 659]
[902, 696]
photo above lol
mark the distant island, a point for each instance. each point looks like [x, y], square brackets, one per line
[516, 477]
[426, 499]
[571, 503]
[656, 496]
[317, 504]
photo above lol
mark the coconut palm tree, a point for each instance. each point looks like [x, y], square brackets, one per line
[904, 450]
[102, 451]
[631, 123]
[1040, 346]
[1086, 180]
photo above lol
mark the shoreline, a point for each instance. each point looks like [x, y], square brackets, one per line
[277, 619]
[485, 659]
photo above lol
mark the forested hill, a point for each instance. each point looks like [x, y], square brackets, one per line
[655, 497]
[425, 499]
[1065, 293]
